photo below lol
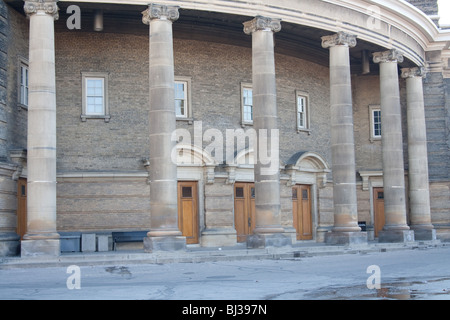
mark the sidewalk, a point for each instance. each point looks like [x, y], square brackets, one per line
[199, 254]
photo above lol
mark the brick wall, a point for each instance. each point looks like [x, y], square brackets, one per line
[4, 31]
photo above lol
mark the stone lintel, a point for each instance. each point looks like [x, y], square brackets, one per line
[339, 39]
[262, 23]
[392, 55]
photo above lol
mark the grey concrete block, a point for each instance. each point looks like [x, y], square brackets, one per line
[256, 241]
[40, 248]
[88, 242]
[102, 242]
[396, 236]
[346, 238]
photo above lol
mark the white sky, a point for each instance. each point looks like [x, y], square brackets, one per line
[444, 11]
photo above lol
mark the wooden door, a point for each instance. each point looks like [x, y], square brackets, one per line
[21, 207]
[301, 206]
[244, 210]
[378, 209]
[188, 211]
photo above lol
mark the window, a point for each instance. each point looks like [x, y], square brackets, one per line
[95, 96]
[375, 123]
[246, 104]
[23, 84]
[182, 88]
[302, 102]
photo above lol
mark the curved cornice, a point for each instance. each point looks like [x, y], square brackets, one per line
[393, 24]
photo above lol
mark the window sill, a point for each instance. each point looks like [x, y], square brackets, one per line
[85, 117]
[304, 130]
[21, 107]
[246, 124]
[374, 139]
[188, 120]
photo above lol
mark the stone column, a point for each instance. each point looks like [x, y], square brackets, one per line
[164, 233]
[396, 228]
[419, 195]
[41, 237]
[268, 230]
[346, 229]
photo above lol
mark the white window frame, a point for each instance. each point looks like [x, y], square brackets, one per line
[372, 110]
[23, 87]
[187, 116]
[304, 113]
[105, 112]
[246, 86]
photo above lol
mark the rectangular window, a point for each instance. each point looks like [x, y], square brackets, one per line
[182, 88]
[24, 85]
[181, 99]
[95, 96]
[246, 104]
[22, 81]
[302, 111]
[375, 123]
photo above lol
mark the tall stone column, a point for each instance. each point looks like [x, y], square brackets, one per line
[164, 233]
[396, 228]
[346, 229]
[41, 237]
[419, 194]
[268, 230]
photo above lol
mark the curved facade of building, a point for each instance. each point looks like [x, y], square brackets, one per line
[215, 123]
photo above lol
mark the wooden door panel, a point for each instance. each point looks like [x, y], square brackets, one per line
[21, 207]
[378, 210]
[187, 211]
[301, 210]
[244, 210]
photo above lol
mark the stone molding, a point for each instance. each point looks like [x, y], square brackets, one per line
[48, 6]
[392, 55]
[414, 72]
[262, 23]
[339, 39]
[163, 12]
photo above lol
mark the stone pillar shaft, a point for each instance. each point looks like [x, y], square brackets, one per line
[162, 123]
[267, 182]
[41, 197]
[392, 145]
[342, 140]
[419, 195]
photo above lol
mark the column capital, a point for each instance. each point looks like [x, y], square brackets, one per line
[392, 55]
[163, 12]
[339, 39]
[414, 72]
[262, 23]
[48, 6]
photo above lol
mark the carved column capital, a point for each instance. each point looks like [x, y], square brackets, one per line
[414, 72]
[48, 6]
[392, 55]
[262, 23]
[163, 12]
[339, 39]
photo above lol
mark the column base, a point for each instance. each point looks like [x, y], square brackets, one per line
[258, 241]
[40, 248]
[9, 244]
[424, 234]
[346, 238]
[154, 244]
[396, 236]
